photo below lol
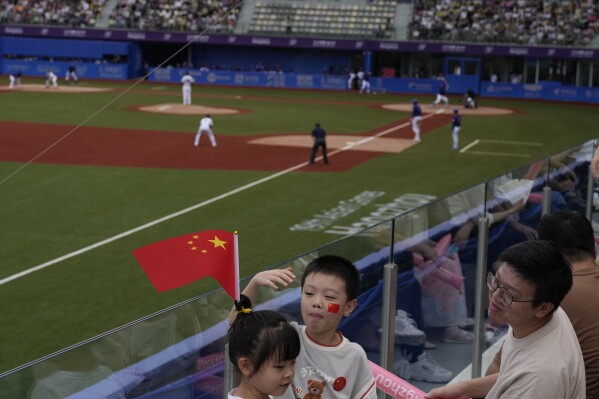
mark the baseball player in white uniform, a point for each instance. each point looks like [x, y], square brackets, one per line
[205, 127]
[186, 81]
[51, 79]
[350, 80]
[360, 76]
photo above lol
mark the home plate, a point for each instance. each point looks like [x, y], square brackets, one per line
[334, 141]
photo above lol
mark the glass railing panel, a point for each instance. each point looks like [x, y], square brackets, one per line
[568, 178]
[432, 298]
[180, 351]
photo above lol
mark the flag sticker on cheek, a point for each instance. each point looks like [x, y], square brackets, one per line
[333, 308]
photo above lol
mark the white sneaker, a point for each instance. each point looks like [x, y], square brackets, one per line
[427, 369]
[406, 331]
[455, 335]
[402, 369]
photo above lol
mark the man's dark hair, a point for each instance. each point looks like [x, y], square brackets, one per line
[336, 266]
[571, 233]
[542, 265]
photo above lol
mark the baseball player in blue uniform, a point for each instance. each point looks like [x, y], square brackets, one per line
[456, 124]
[416, 118]
[442, 93]
[14, 79]
[71, 74]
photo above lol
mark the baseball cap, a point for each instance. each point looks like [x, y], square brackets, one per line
[455, 111]
[414, 100]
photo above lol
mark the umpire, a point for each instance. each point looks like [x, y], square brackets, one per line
[319, 135]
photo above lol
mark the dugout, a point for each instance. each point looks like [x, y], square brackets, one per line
[94, 59]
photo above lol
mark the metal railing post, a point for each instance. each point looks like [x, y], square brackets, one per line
[479, 296]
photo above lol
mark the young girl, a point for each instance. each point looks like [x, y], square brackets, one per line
[263, 347]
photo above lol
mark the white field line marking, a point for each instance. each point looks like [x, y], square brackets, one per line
[534, 143]
[502, 154]
[191, 208]
[475, 142]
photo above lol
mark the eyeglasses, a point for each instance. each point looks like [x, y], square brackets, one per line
[505, 297]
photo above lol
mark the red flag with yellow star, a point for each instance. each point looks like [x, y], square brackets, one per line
[181, 260]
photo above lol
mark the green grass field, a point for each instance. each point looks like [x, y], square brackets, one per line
[50, 210]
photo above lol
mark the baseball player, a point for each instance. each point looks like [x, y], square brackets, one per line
[360, 76]
[51, 79]
[14, 79]
[470, 99]
[350, 80]
[456, 124]
[71, 74]
[365, 88]
[416, 118]
[205, 127]
[442, 93]
[186, 81]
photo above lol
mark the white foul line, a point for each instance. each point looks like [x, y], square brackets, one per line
[475, 142]
[192, 208]
[502, 154]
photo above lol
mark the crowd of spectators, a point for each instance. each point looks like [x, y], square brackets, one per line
[80, 14]
[178, 15]
[529, 22]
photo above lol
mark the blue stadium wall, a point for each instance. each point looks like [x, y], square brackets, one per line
[119, 55]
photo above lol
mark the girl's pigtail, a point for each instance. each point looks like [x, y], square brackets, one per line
[244, 305]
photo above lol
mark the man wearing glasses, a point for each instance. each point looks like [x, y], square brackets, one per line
[541, 356]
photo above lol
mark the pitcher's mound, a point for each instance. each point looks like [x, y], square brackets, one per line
[428, 108]
[60, 89]
[181, 109]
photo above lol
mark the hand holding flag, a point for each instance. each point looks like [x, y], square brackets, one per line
[181, 260]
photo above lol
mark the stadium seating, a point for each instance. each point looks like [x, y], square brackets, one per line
[323, 19]
[529, 22]
[79, 14]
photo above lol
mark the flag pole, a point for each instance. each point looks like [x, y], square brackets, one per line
[237, 288]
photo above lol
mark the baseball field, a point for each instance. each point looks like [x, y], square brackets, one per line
[89, 173]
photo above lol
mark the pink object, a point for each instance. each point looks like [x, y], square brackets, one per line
[430, 267]
[535, 198]
[393, 385]
[443, 244]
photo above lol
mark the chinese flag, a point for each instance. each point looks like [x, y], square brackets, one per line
[179, 261]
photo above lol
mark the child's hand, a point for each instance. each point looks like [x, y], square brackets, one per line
[274, 278]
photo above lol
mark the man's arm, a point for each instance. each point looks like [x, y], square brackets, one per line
[476, 388]
[269, 278]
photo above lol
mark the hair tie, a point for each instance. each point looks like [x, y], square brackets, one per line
[245, 310]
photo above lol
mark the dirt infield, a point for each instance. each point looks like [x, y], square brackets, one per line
[180, 109]
[60, 89]
[482, 111]
[22, 142]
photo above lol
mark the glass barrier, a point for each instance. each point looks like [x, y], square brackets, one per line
[179, 352]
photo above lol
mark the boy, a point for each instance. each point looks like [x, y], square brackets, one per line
[329, 288]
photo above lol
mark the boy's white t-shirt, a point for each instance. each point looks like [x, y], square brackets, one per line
[344, 369]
